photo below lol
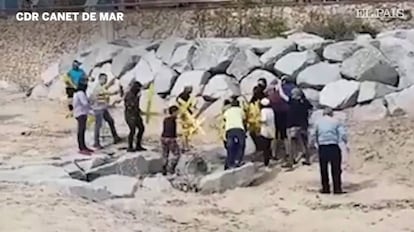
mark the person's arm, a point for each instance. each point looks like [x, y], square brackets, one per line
[342, 133]
[83, 99]
[314, 136]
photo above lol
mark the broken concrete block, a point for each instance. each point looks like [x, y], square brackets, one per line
[117, 185]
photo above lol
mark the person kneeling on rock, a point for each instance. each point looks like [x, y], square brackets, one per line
[169, 141]
[235, 134]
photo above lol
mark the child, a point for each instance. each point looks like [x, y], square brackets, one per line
[169, 141]
[81, 108]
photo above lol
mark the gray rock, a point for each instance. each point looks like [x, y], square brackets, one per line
[213, 53]
[100, 52]
[142, 72]
[33, 174]
[117, 185]
[340, 51]
[65, 63]
[312, 95]
[181, 59]
[191, 78]
[164, 79]
[368, 64]
[262, 46]
[294, 62]
[247, 83]
[229, 179]
[126, 60]
[373, 111]
[57, 90]
[130, 165]
[400, 53]
[363, 39]
[51, 73]
[319, 75]
[401, 102]
[167, 48]
[306, 41]
[369, 91]
[39, 91]
[340, 94]
[79, 189]
[280, 48]
[157, 184]
[244, 62]
[407, 34]
[191, 166]
[221, 86]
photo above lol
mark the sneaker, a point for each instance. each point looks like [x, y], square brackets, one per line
[324, 191]
[306, 163]
[90, 150]
[339, 192]
[140, 149]
[85, 152]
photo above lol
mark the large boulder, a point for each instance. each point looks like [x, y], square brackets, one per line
[340, 94]
[229, 179]
[130, 165]
[57, 90]
[279, 48]
[221, 86]
[370, 90]
[368, 64]
[407, 34]
[312, 95]
[51, 73]
[294, 62]
[244, 62]
[401, 102]
[78, 188]
[260, 46]
[164, 79]
[181, 59]
[117, 185]
[213, 54]
[319, 75]
[39, 91]
[157, 184]
[373, 111]
[143, 71]
[126, 60]
[100, 53]
[167, 48]
[400, 53]
[247, 83]
[33, 174]
[190, 78]
[306, 41]
[340, 51]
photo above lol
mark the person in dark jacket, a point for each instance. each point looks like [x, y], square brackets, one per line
[259, 90]
[169, 142]
[133, 117]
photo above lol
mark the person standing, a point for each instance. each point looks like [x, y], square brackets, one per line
[72, 79]
[267, 130]
[328, 134]
[100, 100]
[81, 109]
[259, 90]
[183, 99]
[297, 125]
[133, 117]
[169, 141]
[235, 135]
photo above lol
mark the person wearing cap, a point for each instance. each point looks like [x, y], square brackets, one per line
[133, 117]
[235, 134]
[327, 135]
[267, 130]
[100, 104]
[297, 125]
[72, 80]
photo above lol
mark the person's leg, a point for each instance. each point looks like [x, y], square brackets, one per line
[241, 145]
[175, 151]
[98, 126]
[141, 129]
[323, 166]
[81, 132]
[289, 148]
[165, 150]
[131, 125]
[231, 144]
[108, 118]
[336, 160]
[267, 150]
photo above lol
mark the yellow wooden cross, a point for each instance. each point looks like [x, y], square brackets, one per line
[148, 113]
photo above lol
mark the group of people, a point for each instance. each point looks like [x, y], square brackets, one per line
[284, 116]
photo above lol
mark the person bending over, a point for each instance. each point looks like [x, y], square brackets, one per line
[81, 109]
[169, 142]
[328, 134]
[133, 117]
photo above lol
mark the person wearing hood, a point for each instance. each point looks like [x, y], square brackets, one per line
[267, 130]
[297, 125]
[133, 117]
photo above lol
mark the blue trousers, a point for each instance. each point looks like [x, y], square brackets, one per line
[235, 145]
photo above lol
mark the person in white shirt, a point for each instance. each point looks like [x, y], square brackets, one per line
[81, 109]
[267, 130]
